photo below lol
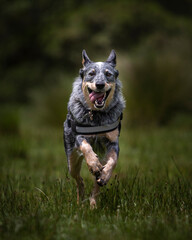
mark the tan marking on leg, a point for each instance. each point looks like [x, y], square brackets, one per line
[108, 168]
[75, 161]
[111, 160]
[95, 192]
[91, 158]
[87, 151]
[80, 189]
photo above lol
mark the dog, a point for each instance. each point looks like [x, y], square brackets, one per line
[92, 126]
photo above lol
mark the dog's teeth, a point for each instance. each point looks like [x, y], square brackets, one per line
[99, 104]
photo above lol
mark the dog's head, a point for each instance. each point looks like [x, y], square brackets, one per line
[98, 81]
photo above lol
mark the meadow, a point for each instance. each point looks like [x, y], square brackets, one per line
[148, 197]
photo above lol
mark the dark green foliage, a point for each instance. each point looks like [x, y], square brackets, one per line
[9, 120]
[43, 40]
[160, 84]
[50, 102]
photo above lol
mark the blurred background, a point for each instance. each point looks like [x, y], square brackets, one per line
[41, 44]
[40, 56]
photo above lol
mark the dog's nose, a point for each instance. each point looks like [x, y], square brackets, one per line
[100, 85]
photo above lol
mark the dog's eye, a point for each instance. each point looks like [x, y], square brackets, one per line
[108, 74]
[92, 73]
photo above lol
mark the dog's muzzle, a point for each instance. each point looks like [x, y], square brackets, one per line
[100, 85]
[99, 97]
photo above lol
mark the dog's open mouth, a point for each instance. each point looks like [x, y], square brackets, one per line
[98, 98]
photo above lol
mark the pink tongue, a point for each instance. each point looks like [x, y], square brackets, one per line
[96, 96]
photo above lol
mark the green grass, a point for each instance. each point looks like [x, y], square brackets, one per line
[148, 197]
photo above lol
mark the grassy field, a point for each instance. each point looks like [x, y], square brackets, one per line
[148, 197]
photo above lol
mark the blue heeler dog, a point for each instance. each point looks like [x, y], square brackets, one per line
[92, 127]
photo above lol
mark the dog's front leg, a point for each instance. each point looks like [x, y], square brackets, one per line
[112, 156]
[94, 166]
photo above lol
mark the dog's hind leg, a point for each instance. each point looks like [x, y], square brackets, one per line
[75, 161]
[95, 192]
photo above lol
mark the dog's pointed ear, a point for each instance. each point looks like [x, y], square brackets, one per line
[85, 59]
[112, 58]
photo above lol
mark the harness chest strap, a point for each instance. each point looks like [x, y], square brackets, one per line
[86, 130]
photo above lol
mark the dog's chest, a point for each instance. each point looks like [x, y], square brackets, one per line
[100, 142]
[104, 137]
[99, 145]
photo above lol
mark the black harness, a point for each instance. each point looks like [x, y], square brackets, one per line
[89, 130]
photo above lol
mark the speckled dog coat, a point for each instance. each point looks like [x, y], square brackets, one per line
[92, 127]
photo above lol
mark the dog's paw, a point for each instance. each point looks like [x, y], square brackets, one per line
[101, 182]
[103, 178]
[93, 204]
[96, 169]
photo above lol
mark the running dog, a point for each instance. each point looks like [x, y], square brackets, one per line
[92, 127]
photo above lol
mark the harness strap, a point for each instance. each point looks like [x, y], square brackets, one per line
[87, 130]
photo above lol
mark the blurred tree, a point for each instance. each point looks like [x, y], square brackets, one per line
[160, 84]
[41, 40]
